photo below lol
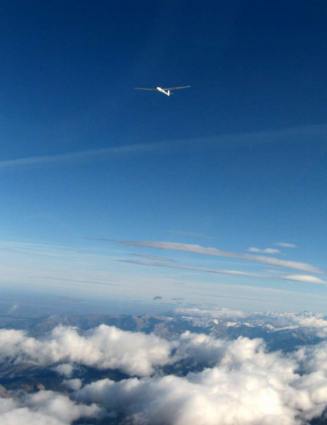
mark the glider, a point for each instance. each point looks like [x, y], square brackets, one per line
[168, 91]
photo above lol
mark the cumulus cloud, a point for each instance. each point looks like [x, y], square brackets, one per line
[104, 347]
[73, 384]
[313, 359]
[44, 408]
[200, 348]
[65, 369]
[248, 385]
[312, 321]
[315, 324]
[239, 381]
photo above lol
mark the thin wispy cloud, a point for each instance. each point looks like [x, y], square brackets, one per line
[216, 252]
[286, 245]
[80, 156]
[304, 278]
[171, 264]
[297, 133]
[77, 282]
[155, 261]
[270, 251]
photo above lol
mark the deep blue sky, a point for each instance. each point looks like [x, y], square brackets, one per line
[237, 161]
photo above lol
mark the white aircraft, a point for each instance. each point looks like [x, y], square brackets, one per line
[168, 91]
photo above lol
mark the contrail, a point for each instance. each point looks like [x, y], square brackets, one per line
[81, 155]
[295, 134]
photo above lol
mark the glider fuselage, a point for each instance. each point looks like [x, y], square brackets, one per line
[164, 91]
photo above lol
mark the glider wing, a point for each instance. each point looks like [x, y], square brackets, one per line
[145, 88]
[177, 88]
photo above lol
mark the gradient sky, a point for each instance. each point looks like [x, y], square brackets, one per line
[98, 181]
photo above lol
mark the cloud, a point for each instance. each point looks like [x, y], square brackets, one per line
[256, 250]
[305, 278]
[200, 348]
[213, 313]
[104, 347]
[150, 261]
[44, 408]
[247, 386]
[39, 160]
[286, 245]
[212, 251]
[239, 382]
[314, 324]
[65, 369]
[73, 384]
[171, 264]
[13, 308]
[296, 134]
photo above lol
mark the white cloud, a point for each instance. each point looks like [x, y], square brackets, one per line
[309, 323]
[73, 384]
[286, 245]
[315, 324]
[312, 321]
[39, 160]
[305, 278]
[211, 142]
[212, 251]
[171, 264]
[102, 347]
[200, 348]
[211, 313]
[44, 408]
[240, 381]
[65, 369]
[60, 406]
[248, 386]
[256, 250]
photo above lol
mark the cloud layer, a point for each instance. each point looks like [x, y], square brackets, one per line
[248, 385]
[216, 252]
[190, 379]
[104, 347]
[44, 408]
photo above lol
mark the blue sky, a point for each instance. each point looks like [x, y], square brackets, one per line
[96, 178]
